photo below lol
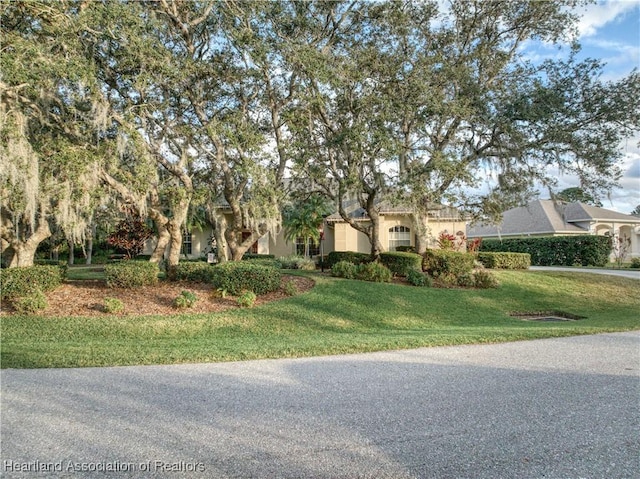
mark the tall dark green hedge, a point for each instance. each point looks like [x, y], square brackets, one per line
[437, 262]
[583, 250]
[238, 276]
[400, 263]
[350, 256]
[131, 274]
[504, 260]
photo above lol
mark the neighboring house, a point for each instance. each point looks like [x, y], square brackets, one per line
[556, 218]
[395, 230]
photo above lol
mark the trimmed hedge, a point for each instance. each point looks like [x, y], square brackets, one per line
[584, 250]
[258, 256]
[350, 256]
[23, 281]
[375, 272]
[131, 274]
[406, 249]
[505, 260]
[275, 263]
[238, 276]
[199, 272]
[401, 263]
[437, 262]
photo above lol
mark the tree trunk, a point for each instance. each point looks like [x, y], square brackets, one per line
[161, 246]
[174, 227]
[219, 223]
[374, 235]
[6, 251]
[422, 230]
[89, 243]
[175, 245]
[24, 252]
[72, 247]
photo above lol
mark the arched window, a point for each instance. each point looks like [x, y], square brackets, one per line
[399, 236]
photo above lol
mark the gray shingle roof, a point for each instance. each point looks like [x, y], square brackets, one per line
[547, 217]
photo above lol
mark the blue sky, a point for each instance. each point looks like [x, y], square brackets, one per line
[609, 31]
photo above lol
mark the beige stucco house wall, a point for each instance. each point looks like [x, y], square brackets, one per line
[346, 238]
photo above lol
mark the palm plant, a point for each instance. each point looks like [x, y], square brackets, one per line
[303, 219]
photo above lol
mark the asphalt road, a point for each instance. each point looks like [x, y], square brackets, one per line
[557, 408]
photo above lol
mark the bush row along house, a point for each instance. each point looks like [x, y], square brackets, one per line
[538, 218]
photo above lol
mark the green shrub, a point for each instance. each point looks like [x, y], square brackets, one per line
[246, 299]
[237, 276]
[484, 279]
[437, 262]
[186, 299]
[466, 280]
[635, 263]
[418, 278]
[307, 264]
[49, 262]
[375, 272]
[446, 280]
[219, 293]
[344, 269]
[30, 303]
[274, 263]
[585, 250]
[406, 249]
[498, 260]
[290, 288]
[258, 256]
[131, 274]
[289, 262]
[401, 263]
[22, 281]
[198, 272]
[112, 306]
[350, 256]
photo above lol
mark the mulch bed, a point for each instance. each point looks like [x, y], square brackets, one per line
[86, 298]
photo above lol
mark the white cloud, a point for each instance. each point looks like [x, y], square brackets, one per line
[598, 15]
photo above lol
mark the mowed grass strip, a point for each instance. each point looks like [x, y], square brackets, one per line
[337, 316]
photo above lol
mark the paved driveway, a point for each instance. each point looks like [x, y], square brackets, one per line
[556, 408]
[625, 273]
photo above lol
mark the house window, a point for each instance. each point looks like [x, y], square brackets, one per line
[314, 249]
[254, 247]
[399, 236]
[187, 238]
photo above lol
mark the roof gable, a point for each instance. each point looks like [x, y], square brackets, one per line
[548, 217]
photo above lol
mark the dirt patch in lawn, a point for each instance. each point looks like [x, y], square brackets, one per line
[86, 298]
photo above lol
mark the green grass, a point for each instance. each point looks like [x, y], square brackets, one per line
[82, 272]
[337, 316]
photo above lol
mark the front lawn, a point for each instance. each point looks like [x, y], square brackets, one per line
[337, 316]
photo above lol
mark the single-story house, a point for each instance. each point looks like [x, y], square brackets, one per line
[557, 218]
[395, 230]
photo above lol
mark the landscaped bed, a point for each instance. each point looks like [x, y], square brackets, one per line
[86, 298]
